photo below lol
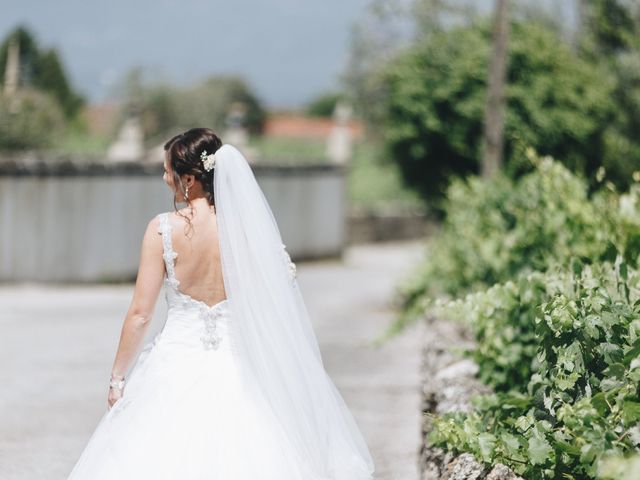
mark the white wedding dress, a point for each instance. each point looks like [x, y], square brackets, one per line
[184, 413]
[235, 390]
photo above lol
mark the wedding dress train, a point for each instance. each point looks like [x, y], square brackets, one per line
[185, 414]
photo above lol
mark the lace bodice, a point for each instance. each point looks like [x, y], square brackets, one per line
[209, 314]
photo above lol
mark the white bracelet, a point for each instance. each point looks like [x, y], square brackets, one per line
[117, 384]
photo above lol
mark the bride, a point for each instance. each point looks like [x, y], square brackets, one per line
[233, 387]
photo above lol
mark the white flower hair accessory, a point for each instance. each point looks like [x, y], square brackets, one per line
[208, 160]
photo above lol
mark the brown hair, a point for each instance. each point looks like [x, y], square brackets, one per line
[184, 152]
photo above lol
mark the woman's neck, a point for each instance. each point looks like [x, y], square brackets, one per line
[199, 205]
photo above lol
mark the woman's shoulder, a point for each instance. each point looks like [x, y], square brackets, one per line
[161, 221]
[155, 223]
[171, 218]
[151, 239]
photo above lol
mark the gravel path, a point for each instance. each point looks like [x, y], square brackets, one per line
[57, 346]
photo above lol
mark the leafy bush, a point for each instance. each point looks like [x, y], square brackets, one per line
[30, 119]
[502, 319]
[547, 279]
[582, 400]
[495, 230]
[556, 102]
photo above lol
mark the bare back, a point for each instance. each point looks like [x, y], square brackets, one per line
[197, 264]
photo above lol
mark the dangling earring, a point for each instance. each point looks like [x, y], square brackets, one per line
[186, 194]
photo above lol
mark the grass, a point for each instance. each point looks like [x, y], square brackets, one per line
[79, 143]
[375, 183]
[289, 150]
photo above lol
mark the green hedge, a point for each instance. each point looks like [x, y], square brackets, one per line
[546, 277]
[497, 229]
[581, 402]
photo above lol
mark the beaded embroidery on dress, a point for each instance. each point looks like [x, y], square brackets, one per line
[184, 413]
[208, 314]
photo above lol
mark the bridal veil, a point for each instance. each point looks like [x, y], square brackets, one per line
[272, 336]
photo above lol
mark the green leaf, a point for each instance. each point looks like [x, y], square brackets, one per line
[486, 442]
[616, 370]
[623, 270]
[539, 450]
[633, 352]
[599, 402]
[511, 444]
[524, 422]
[587, 453]
[630, 411]
[566, 382]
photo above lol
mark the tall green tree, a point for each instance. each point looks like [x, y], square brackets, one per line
[385, 29]
[609, 26]
[610, 35]
[41, 69]
[556, 102]
[165, 108]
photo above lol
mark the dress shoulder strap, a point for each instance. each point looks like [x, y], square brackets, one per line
[168, 254]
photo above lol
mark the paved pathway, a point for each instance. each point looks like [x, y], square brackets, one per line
[57, 346]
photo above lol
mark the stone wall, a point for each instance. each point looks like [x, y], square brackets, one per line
[387, 226]
[448, 383]
[74, 221]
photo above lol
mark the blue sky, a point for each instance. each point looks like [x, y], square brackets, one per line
[288, 50]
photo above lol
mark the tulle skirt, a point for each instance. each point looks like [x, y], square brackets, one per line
[185, 415]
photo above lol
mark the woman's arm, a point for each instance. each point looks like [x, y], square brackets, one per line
[145, 295]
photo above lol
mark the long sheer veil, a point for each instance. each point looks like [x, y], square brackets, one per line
[272, 336]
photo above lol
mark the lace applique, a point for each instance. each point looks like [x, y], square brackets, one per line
[287, 259]
[210, 339]
[209, 315]
[168, 254]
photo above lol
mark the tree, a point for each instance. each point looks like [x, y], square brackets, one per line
[494, 110]
[386, 28]
[35, 123]
[610, 36]
[324, 105]
[609, 26]
[556, 102]
[165, 108]
[41, 70]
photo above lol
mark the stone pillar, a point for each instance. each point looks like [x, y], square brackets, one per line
[130, 142]
[129, 145]
[236, 132]
[339, 144]
[12, 76]
[12, 70]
